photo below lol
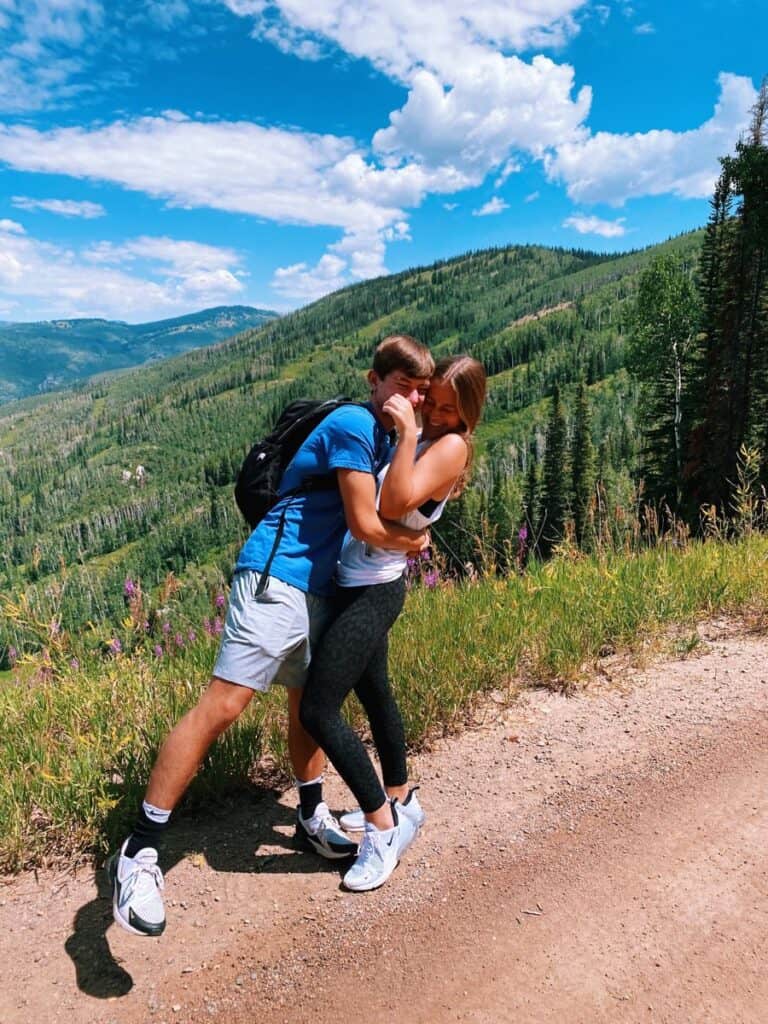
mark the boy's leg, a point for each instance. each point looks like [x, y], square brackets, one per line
[260, 634]
[307, 759]
[136, 878]
[189, 741]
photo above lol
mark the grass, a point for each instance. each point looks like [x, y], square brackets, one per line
[77, 742]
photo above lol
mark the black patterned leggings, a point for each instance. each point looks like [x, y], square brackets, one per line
[352, 655]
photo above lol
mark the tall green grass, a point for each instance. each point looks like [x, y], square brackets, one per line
[78, 739]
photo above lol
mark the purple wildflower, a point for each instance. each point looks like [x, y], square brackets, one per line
[192, 636]
[425, 554]
[166, 628]
[115, 646]
[179, 640]
[430, 579]
[74, 664]
[158, 651]
[129, 587]
[218, 626]
[522, 534]
[220, 600]
[146, 626]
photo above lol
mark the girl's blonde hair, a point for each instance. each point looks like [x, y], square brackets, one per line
[467, 378]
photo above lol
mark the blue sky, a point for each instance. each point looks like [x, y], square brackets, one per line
[161, 156]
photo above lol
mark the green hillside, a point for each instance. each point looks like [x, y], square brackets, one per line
[44, 356]
[75, 521]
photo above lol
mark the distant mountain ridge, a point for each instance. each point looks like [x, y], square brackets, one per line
[49, 354]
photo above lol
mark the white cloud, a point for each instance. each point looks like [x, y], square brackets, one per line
[646, 29]
[496, 106]
[450, 206]
[589, 225]
[64, 207]
[492, 207]
[40, 57]
[532, 197]
[299, 281]
[469, 104]
[510, 167]
[234, 166]
[140, 279]
[401, 36]
[11, 227]
[611, 168]
[285, 176]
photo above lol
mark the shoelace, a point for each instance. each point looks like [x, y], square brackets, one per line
[328, 822]
[369, 851]
[148, 868]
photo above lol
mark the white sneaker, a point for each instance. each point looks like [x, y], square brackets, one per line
[377, 859]
[354, 821]
[409, 827]
[323, 834]
[137, 884]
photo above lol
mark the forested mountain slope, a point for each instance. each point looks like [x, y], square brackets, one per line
[50, 354]
[72, 508]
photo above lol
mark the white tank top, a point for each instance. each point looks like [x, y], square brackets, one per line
[360, 564]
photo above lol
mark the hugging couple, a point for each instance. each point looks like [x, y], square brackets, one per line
[336, 585]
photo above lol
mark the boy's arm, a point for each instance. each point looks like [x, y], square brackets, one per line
[358, 493]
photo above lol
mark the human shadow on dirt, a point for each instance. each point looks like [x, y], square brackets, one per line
[230, 840]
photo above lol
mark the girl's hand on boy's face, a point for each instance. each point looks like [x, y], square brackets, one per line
[402, 412]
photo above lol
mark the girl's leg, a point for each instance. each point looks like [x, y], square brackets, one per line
[375, 694]
[337, 666]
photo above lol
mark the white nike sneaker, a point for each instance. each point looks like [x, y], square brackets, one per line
[354, 821]
[323, 834]
[377, 859]
[137, 884]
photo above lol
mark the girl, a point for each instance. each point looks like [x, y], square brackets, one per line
[424, 472]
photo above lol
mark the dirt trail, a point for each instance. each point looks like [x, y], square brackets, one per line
[602, 858]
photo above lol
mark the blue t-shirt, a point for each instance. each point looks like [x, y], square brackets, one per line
[348, 438]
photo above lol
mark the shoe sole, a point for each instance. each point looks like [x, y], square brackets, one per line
[370, 886]
[111, 868]
[303, 839]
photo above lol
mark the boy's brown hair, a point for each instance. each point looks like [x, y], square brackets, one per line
[402, 352]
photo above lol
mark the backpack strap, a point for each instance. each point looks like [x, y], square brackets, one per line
[318, 482]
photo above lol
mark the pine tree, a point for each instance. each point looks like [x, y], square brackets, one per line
[554, 482]
[727, 398]
[582, 464]
[665, 320]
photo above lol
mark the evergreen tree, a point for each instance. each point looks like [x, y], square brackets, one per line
[554, 482]
[664, 325]
[728, 394]
[531, 493]
[582, 464]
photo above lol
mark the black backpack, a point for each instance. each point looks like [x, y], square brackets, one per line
[258, 482]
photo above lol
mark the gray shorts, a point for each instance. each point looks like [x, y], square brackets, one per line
[268, 639]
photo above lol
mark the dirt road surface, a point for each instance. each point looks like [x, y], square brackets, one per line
[598, 858]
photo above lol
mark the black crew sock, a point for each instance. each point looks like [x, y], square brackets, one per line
[145, 833]
[310, 795]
